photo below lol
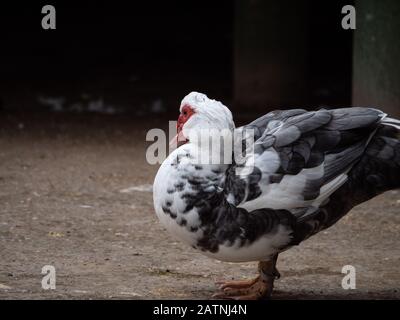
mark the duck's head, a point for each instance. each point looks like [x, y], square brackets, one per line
[199, 113]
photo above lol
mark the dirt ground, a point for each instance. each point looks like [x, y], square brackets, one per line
[74, 193]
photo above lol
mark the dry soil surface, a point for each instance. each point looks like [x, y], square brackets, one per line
[75, 193]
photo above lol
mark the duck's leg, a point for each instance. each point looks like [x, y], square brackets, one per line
[258, 288]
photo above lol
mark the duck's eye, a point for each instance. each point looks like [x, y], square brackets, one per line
[184, 112]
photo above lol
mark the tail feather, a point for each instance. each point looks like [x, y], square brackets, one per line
[391, 122]
[379, 168]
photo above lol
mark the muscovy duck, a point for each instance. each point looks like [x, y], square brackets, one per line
[309, 168]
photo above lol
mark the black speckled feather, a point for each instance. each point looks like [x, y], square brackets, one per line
[311, 168]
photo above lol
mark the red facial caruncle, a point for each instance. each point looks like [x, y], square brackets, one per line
[186, 113]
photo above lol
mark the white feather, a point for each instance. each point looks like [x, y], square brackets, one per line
[259, 250]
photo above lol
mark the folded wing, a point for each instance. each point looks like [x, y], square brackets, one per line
[300, 157]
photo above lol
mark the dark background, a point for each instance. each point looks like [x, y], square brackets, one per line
[148, 55]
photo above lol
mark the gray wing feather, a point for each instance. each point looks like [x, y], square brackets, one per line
[303, 140]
